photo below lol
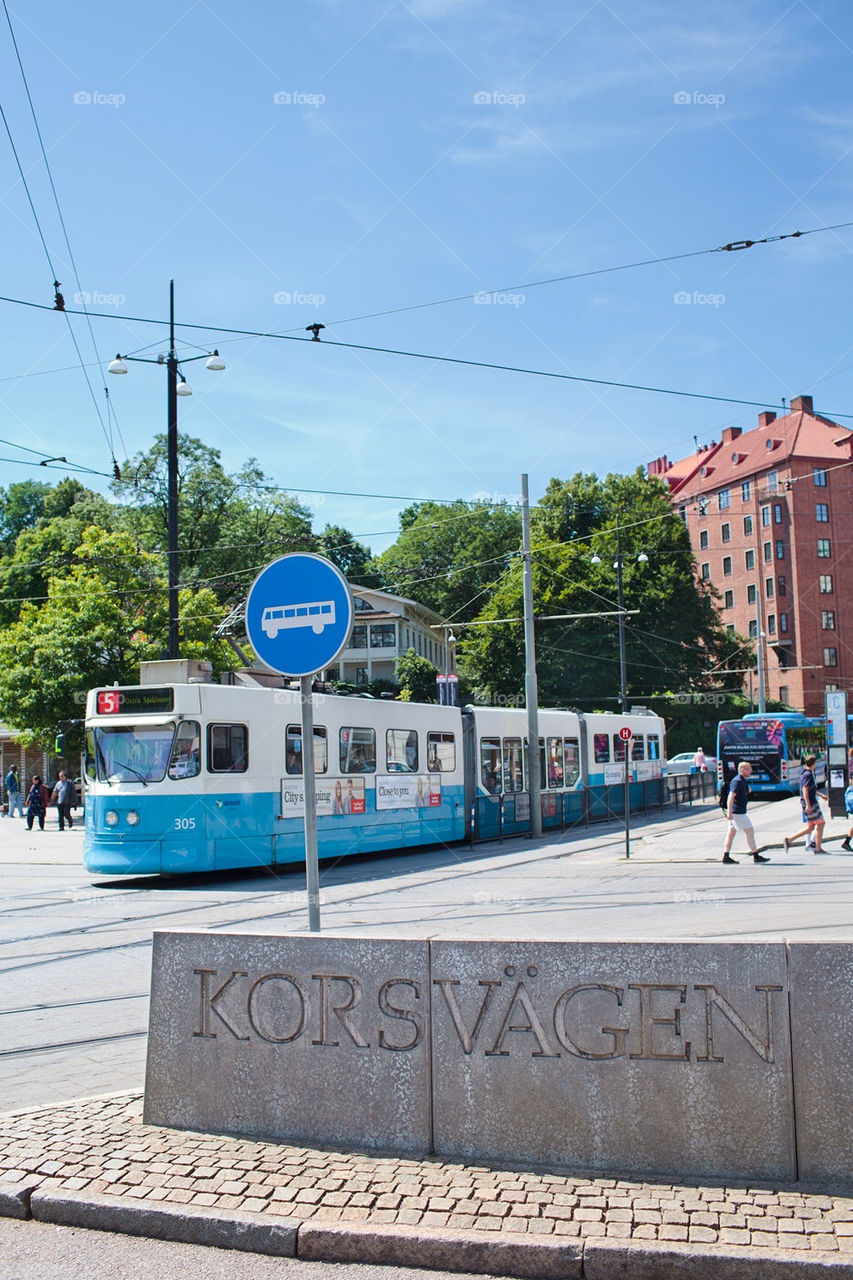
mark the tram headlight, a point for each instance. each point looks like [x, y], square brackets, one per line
[111, 818]
[132, 818]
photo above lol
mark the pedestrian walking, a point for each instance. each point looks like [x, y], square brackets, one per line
[36, 804]
[812, 813]
[700, 761]
[13, 792]
[65, 798]
[737, 815]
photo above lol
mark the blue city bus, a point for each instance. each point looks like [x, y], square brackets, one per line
[774, 745]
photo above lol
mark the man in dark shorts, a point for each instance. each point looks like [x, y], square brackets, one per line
[737, 815]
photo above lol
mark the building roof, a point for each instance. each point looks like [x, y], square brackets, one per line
[386, 605]
[773, 444]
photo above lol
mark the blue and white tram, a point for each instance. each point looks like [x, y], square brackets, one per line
[202, 777]
[581, 756]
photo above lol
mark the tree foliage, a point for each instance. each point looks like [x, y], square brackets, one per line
[673, 640]
[416, 678]
[449, 555]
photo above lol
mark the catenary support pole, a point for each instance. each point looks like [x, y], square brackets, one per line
[530, 685]
[312, 871]
[172, 471]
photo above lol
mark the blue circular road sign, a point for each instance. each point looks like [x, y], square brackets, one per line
[299, 614]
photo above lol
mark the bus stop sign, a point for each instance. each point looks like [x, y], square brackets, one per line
[625, 733]
[299, 614]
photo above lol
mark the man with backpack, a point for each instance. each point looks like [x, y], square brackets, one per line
[735, 810]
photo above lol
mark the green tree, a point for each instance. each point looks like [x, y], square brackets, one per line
[450, 555]
[21, 507]
[351, 557]
[673, 641]
[103, 615]
[416, 678]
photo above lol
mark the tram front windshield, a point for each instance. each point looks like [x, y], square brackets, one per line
[130, 753]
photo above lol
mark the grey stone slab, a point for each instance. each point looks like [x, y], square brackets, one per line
[189, 1224]
[613, 1260]
[821, 978]
[671, 1058]
[15, 1200]
[302, 1037]
[503, 1255]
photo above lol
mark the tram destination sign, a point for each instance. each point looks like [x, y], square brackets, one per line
[299, 614]
[123, 702]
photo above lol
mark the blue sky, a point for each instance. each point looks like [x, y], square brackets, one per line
[354, 156]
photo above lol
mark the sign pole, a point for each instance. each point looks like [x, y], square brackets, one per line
[312, 870]
[625, 735]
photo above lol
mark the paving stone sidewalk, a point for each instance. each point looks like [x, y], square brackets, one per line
[100, 1147]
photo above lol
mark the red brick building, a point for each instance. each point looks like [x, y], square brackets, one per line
[770, 517]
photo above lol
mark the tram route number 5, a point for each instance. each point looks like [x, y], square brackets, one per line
[185, 824]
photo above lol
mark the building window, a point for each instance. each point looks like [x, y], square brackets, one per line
[783, 627]
[820, 478]
[361, 675]
[749, 559]
[727, 566]
[768, 588]
[750, 595]
[729, 600]
[827, 619]
[772, 481]
[783, 693]
[358, 639]
[780, 549]
[771, 624]
[825, 584]
[730, 628]
[830, 657]
[726, 532]
[706, 573]
[821, 512]
[823, 548]
[682, 514]
[383, 635]
[781, 584]
[746, 490]
[724, 499]
[753, 629]
[777, 512]
[703, 540]
[765, 516]
[768, 551]
[747, 525]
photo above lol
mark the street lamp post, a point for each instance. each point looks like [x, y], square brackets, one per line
[176, 385]
[642, 558]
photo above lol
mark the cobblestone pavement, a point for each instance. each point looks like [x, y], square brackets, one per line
[100, 1146]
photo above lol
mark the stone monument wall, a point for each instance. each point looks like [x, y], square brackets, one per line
[689, 1059]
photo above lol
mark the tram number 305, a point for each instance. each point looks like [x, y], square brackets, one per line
[185, 824]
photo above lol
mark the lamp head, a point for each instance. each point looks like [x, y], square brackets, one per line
[183, 388]
[215, 364]
[595, 560]
[117, 365]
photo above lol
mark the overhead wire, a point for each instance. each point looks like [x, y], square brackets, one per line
[107, 429]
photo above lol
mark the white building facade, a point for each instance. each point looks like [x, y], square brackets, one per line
[386, 626]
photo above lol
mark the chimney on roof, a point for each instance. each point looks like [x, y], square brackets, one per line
[764, 419]
[802, 404]
[730, 433]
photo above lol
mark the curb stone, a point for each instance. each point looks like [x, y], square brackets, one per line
[516, 1256]
[248, 1232]
[615, 1260]
[15, 1200]
[513, 1255]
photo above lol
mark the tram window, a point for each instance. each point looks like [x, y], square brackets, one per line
[618, 748]
[293, 749]
[555, 762]
[490, 764]
[186, 752]
[227, 748]
[358, 750]
[572, 761]
[638, 748]
[401, 750]
[601, 748]
[441, 752]
[513, 775]
[654, 747]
